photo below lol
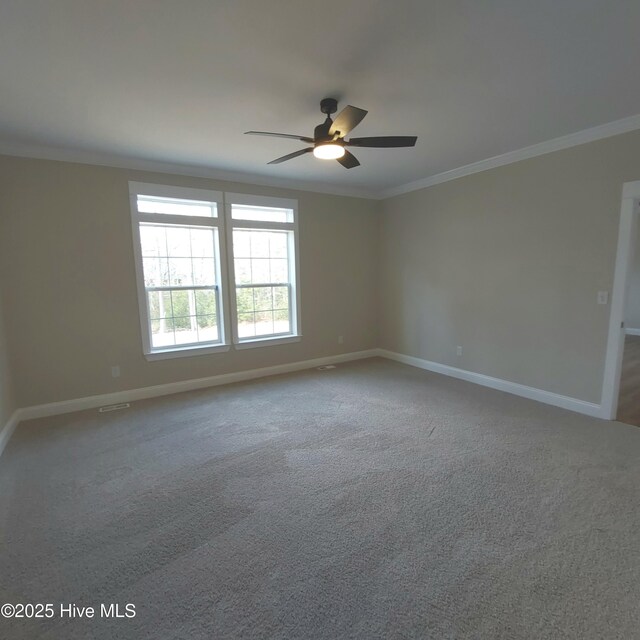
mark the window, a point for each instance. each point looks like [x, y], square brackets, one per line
[184, 259]
[262, 235]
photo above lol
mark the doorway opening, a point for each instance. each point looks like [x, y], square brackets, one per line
[621, 384]
[629, 394]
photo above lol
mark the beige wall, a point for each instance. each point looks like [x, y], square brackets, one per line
[7, 404]
[507, 263]
[68, 254]
[632, 307]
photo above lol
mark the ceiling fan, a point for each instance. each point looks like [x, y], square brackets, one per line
[329, 137]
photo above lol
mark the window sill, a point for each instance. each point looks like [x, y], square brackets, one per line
[266, 342]
[187, 352]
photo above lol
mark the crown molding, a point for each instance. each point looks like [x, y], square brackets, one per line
[61, 154]
[617, 127]
[607, 130]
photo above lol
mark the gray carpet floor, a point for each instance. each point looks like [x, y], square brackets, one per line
[371, 501]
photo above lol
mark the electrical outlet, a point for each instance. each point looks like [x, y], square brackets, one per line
[459, 350]
[603, 297]
[115, 371]
[340, 339]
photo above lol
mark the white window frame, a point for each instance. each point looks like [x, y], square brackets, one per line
[181, 193]
[294, 265]
[225, 224]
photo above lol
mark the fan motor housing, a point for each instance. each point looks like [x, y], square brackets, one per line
[321, 132]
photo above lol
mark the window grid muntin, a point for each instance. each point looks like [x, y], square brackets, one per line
[165, 260]
[195, 318]
[273, 309]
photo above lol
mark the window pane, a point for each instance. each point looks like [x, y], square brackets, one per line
[156, 304]
[205, 302]
[153, 240]
[180, 271]
[263, 297]
[183, 255]
[176, 207]
[270, 306]
[179, 242]
[279, 271]
[183, 317]
[244, 301]
[208, 328]
[242, 244]
[264, 323]
[278, 244]
[260, 271]
[183, 324]
[206, 322]
[246, 326]
[164, 272]
[151, 268]
[259, 244]
[263, 214]
[162, 333]
[183, 303]
[186, 330]
[281, 322]
[268, 251]
[153, 304]
[159, 304]
[204, 272]
[281, 298]
[243, 271]
[202, 243]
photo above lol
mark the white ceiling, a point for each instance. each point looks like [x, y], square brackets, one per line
[181, 81]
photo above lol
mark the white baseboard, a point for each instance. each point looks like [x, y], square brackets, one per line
[130, 395]
[7, 431]
[547, 397]
[632, 332]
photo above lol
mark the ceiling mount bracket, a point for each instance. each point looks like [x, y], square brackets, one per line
[328, 105]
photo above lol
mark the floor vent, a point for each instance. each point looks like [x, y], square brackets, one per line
[114, 407]
[326, 366]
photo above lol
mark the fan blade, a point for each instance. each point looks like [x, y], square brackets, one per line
[380, 142]
[289, 156]
[278, 135]
[348, 160]
[349, 118]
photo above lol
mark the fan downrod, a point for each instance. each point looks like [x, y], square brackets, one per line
[328, 105]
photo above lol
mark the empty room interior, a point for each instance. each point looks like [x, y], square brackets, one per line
[319, 320]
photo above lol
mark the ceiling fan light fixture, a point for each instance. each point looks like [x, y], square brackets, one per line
[328, 151]
[328, 142]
